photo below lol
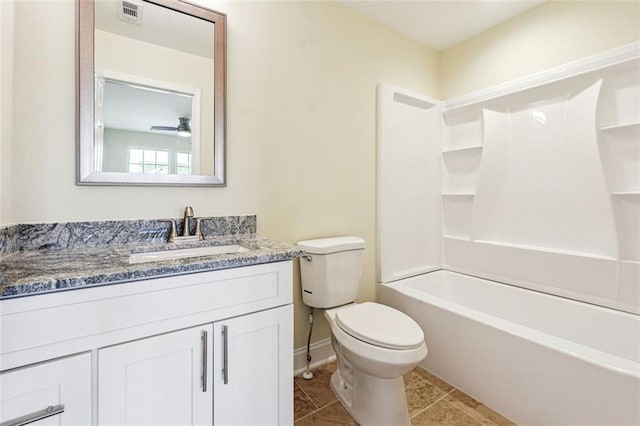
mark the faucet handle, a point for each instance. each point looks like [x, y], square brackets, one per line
[198, 231]
[172, 233]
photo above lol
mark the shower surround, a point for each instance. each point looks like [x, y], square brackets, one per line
[536, 185]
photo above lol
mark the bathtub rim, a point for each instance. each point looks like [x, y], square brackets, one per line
[595, 357]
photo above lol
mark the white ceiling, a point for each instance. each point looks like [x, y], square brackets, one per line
[129, 107]
[160, 26]
[440, 24]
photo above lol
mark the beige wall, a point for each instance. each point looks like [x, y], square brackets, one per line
[549, 35]
[6, 97]
[301, 125]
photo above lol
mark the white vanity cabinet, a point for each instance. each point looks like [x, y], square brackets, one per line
[154, 352]
[251, 362]
[56, 392]
[164, 379]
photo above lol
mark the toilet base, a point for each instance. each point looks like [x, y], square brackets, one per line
[370, 400]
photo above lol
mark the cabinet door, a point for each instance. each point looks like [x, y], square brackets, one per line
[62, 386]
[253, 369]
[159, 380]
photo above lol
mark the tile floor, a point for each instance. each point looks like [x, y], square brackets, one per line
[431, 402]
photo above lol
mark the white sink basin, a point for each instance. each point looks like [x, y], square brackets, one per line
[156, 256]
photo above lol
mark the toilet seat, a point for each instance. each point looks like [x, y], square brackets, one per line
[380, 325]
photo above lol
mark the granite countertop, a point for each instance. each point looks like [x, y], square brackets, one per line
[34, 272]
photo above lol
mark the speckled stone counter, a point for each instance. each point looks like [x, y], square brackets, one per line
[70, 264]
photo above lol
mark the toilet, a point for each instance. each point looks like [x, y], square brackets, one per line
[374, 344]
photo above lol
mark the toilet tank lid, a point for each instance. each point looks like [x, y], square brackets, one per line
[331, 245]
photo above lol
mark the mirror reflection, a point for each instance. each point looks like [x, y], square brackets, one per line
[137, 119]
[158, 93]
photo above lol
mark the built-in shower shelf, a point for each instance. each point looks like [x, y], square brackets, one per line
[619, 128]
[626, 193]
[458, 194]
[456, 238]
[462, 150]
[545, 249]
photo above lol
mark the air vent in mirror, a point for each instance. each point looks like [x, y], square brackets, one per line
[131, 12]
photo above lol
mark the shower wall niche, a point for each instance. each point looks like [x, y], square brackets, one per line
[541, 184]
[461, 155]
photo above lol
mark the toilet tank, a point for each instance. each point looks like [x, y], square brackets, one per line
[330, 270]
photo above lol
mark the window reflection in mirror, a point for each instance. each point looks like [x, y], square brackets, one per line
[157, 108]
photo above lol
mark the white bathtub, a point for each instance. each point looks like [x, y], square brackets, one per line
[535, 358]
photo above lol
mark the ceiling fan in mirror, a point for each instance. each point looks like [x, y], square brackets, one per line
[183, 128]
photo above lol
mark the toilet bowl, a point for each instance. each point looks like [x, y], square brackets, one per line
[375, 346]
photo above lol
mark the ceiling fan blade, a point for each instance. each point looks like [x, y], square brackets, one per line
[164, 128]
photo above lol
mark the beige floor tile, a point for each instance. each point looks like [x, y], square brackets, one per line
[423, 389]
[319, 388]
[446, 405]
[332, 414]
[302, 404]
[443, 413]
[477, 410]
[432, 378]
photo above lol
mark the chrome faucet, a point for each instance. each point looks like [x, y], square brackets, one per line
[186, 227]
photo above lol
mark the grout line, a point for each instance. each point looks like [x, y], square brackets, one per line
[463, 412]
[306, 394]
[315, 411]
[451, 406]
[328, 404]
[433, 403]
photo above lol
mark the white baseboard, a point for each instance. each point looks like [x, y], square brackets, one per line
[321, 353]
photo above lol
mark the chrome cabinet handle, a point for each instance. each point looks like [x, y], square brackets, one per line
[225, 354]
[51, 410]
[204, 338]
